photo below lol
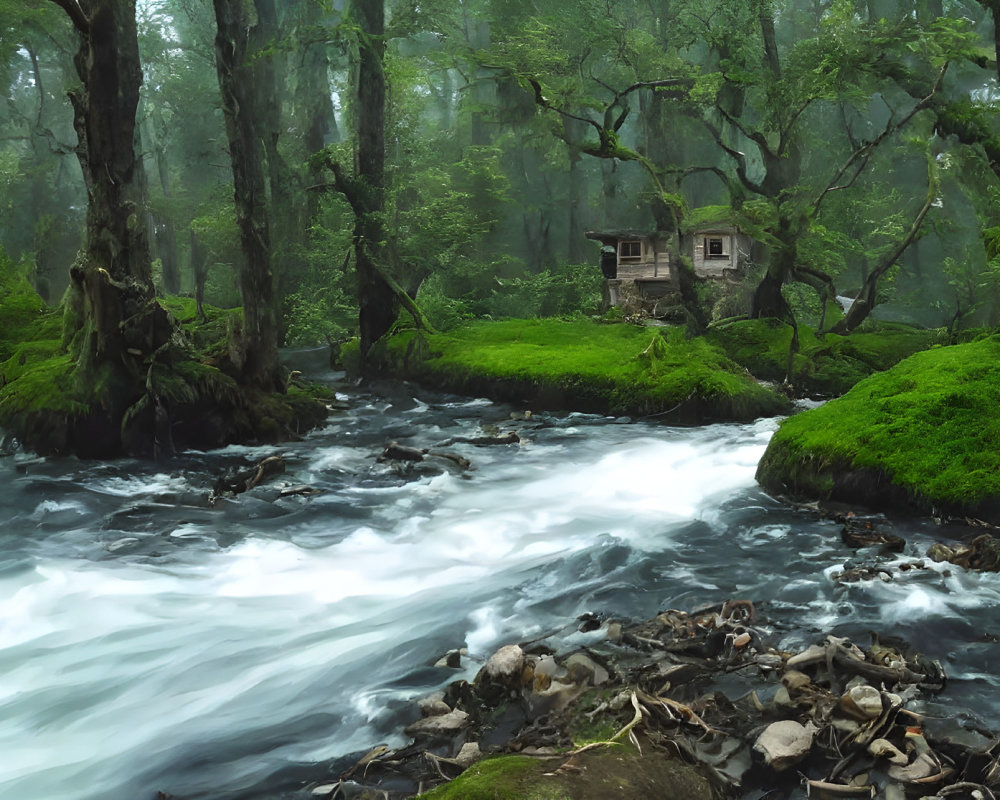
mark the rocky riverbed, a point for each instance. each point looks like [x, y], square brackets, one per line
[696, 703]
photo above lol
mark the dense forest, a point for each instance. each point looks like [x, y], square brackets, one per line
[335, 170]
[650, 346]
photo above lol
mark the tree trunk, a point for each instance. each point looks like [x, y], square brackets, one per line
[768, 300]
[253, 350]
[282, 203]
[577, 194]
[166, 232]
[199, 268]
[117, 323]
[113, 276]
[376, 299]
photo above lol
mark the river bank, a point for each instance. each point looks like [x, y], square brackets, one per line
[154, 641]
[699, 705]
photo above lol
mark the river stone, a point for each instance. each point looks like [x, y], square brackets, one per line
[862, 702]
[469, 755]
[441, 725]
[584, 670]
[501, 676]
[434, 705]
[784, 743]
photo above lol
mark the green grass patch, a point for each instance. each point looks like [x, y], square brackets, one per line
[930, 424]
[620, 369]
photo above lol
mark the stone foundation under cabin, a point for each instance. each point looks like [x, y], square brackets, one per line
[658, 298]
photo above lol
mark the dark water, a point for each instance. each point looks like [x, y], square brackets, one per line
[150, 640]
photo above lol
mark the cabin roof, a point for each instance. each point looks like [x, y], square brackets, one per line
[612, 236]
[709, 217]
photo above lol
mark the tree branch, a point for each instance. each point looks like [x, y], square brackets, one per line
[541, 101]
[75, 11]
[864, 153]
[737, 156]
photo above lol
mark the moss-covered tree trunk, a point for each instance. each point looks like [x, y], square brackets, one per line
[376, 299]
[115, 323]
[254, 349]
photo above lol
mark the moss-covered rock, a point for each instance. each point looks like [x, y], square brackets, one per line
[925, 434]
[824, 366]
[178, 398]
[582, 365]
[617, 771]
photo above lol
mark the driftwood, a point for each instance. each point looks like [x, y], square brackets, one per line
[247, 479]
[510, 437]
[394, 451]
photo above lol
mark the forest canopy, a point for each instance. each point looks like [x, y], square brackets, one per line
[330, 165]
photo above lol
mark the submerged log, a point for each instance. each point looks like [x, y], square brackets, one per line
[246, 479]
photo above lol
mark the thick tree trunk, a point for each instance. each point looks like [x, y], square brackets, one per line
[113, 277]
[254, 349]
[269, 82]
[376, 298]
[768, 300]
[118, 325]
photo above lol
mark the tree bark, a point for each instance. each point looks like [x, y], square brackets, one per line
[253, 350]
[118, 325]
[113, 277]
[376, 299]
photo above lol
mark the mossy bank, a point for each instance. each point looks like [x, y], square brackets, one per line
[582, 365]
[619, 771]
[823, 366]
[924, 435]
[182, 398]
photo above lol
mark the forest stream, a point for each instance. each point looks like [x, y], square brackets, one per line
[151, 640]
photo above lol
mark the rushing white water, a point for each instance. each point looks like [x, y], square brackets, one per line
[149, 641]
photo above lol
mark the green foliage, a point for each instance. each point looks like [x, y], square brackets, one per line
[928, 424]
[564, 289]
[24, 317]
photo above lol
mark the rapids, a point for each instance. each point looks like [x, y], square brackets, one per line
[151, 641]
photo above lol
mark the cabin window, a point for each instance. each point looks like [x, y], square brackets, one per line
[715, 247]
[631, 250]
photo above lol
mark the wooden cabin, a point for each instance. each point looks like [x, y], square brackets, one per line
[717, 251]
[641, 259]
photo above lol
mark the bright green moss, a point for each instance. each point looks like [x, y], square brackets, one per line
[617, 771]
[208, 336]
[930, 424]
[827, 366]
[503, 778]
[45, 384]
[616, 368]
[24, 317]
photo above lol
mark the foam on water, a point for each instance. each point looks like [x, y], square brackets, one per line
[224, 642]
